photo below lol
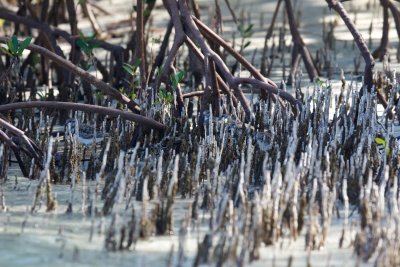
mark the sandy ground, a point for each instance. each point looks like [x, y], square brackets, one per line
[60, 239]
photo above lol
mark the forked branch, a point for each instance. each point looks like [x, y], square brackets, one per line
[362, 46]
[104, 87]
[112, 112]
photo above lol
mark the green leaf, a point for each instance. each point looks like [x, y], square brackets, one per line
[82, 36]
[180, 75]
[156, 40]
[128, 68]
[35, 59]
[137, 63]
[82, 44]
[132, 95]
[42, 96]
[246, 44]
[165, 97]
[5, 51]
[177, 78]
[249, 28]
[99, 96]
[24, 45]
[173, 80]
[15, 43]
[380, 141]
[246, 32]
[319, 82]
[10, 46]
[158, 72]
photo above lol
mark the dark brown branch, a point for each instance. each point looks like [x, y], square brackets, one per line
[52, 33]
[178, 91]
[271, 26]
[88, 11]
[163, 48]
[140, 51]
[10, 143]
[131, 46]
[396, 16]
[216, 96]
[299, 43]
[105, 88]
[382, 50]
[179, 39]
[112, 112]
[231, 11]
[195, 8]
[43, 27]
[195, 94]
[361, 44]
[221, 83]
[226, 73]
[32, 148]
[208, 52]
[208, 32]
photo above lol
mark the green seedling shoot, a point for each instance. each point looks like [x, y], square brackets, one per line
[42, 96]
[165, 97]
[245, 33]
[15, 48]
[177, 78]
[99, 97]
[132, 70]
[87, 43]
[158, 72]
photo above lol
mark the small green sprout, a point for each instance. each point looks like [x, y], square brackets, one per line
[177, 78]
[131, 69]
[87, 43]
[132, 95]
[165, 97]
[15, 49]
[99, 97]
[158, 72]
[245, 33]
[319, 82]
[146, 13]
[156, 40]
[42, 96]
